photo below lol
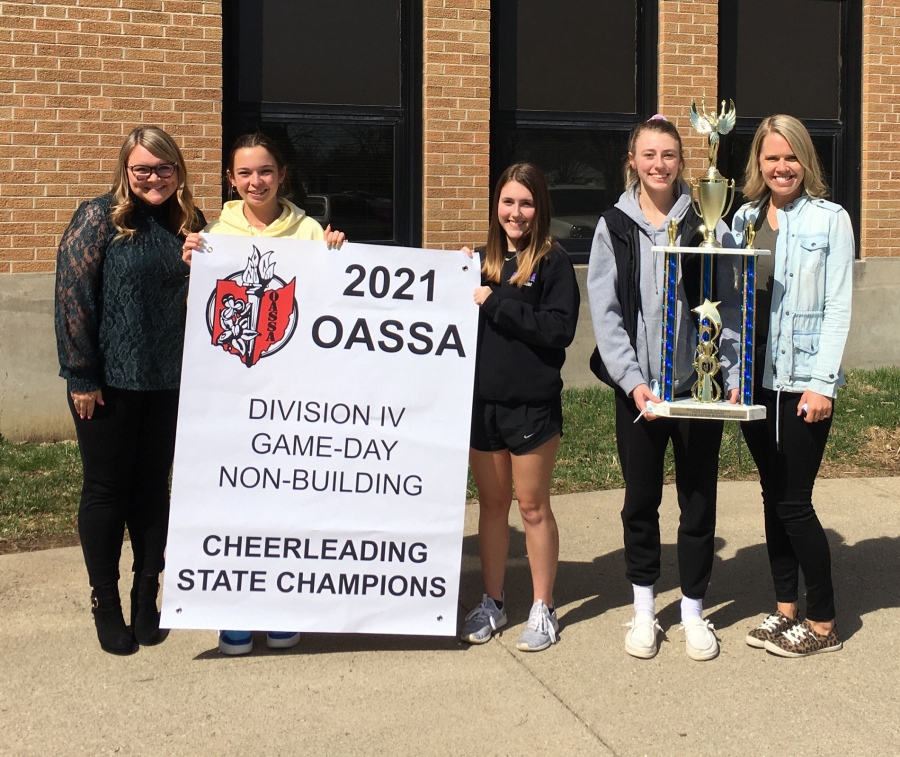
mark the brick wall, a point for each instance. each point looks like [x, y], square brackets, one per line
[880, 230]
[456, 112]
[688, 61]
[75, 78]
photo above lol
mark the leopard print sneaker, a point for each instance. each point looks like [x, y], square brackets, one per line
[770, 629]
[801, 641]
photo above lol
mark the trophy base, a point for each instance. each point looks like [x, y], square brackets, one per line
[719, 411]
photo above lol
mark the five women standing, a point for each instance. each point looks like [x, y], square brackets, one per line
[121, 288]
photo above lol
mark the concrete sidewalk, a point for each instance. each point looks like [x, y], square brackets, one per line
[364, 695]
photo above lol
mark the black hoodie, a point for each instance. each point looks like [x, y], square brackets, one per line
[523, 331]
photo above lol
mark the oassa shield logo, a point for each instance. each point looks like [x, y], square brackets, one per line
[252, 313]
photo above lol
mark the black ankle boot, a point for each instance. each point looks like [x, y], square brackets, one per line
[111, 630]
[144, 615]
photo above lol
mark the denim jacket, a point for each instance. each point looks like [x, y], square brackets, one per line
[813, 287]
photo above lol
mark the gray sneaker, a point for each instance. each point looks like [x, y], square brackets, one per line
[540, 630]
[481, 623]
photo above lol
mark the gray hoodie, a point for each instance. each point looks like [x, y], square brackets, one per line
[629, 367]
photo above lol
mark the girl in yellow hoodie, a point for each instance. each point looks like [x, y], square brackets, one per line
[257, 171]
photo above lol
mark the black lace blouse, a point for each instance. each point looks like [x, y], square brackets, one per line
[120, 303]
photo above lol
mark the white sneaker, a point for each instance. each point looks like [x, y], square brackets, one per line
[700, 641]
[640, 641]
[541, 631]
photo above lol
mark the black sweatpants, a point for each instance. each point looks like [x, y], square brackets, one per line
[126, 451]
[642, 449]
[795, 538]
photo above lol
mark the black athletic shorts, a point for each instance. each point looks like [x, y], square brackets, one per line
[518, 427]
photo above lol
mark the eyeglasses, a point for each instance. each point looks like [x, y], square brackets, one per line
[163, 171]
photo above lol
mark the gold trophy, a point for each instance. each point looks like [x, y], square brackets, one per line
[712, 194]
[711, 197]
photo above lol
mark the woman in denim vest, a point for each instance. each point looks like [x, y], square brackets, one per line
[805, 286]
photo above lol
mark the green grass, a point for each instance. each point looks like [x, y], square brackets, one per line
[40, 483]
[865, 437]
[39, 489]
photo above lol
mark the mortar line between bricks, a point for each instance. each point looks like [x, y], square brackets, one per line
[551, 692]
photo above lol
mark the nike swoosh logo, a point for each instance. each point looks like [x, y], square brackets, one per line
[528, 436]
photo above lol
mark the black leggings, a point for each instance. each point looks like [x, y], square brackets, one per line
[126, 450]
[642, 449]
[794, 536]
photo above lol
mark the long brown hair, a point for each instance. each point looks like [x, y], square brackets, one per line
[755, 188]
[538, 239]
[183, 213]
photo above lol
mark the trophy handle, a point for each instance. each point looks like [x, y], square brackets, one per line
[730, 201]
[695, 200]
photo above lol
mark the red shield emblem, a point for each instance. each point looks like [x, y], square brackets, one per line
[252, 313]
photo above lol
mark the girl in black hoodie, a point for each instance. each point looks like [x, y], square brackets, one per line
[529, 303]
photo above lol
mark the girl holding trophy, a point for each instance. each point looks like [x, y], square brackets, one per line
[626, 280]
[804, 315]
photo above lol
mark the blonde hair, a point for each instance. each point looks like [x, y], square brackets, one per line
[660, 125]
[755, 189]
[183, 213]
[539, 240]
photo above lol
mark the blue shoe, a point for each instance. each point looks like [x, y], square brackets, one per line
[282, 639]
[235, 642]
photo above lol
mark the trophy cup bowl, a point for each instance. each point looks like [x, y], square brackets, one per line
[711, 196]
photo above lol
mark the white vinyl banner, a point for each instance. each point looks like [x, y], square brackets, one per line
[323, 431]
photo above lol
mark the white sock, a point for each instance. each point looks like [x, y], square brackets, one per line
[691, 608]
[644, 601]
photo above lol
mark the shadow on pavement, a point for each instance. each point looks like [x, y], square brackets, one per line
[865, 574]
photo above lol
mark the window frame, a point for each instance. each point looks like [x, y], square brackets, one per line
[845, 132]
[406, 119]
[646, 99]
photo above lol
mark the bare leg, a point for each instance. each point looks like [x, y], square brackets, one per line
[532, 473]
[788, 608]
[493, 477]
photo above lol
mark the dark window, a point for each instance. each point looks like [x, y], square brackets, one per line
[571, 78]
[804, 58]
[775, 71]
[540, 68]
[339, 52]
[337, 84]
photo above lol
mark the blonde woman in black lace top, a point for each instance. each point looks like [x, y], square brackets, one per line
[121, 291]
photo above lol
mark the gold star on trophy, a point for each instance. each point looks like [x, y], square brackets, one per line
[709, 310]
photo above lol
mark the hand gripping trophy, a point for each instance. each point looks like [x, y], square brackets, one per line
[711, 197]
